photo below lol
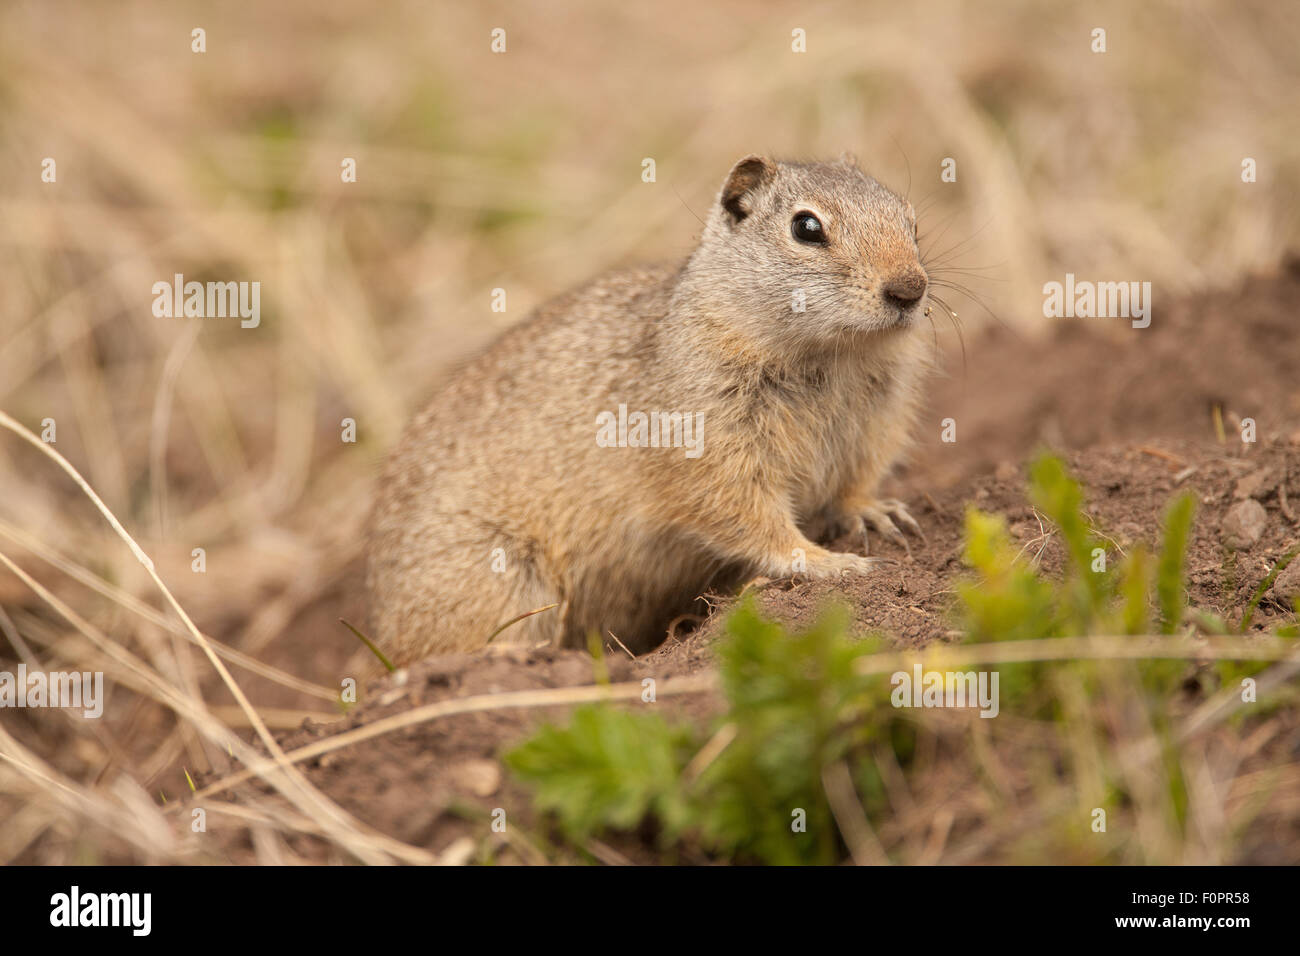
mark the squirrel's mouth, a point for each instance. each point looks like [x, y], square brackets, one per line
[882, 320]
[896, 317]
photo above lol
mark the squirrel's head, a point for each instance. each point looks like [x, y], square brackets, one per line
[822, 247]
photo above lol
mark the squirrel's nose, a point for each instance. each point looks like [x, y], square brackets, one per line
[904, 288]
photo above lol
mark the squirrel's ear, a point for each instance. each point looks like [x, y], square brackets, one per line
[849, 159]
[745, 177]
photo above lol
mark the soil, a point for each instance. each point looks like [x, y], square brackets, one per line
[1140, 414]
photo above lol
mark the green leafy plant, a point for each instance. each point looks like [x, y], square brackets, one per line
[796, 705]
[1009, 600]
[609, 768]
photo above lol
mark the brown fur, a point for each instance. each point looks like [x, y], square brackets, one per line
[803, 414]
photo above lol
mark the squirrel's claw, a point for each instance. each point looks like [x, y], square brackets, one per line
[882, 515]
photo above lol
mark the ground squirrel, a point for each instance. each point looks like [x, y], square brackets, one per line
[665, 430]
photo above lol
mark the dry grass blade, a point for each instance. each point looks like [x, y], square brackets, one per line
[370, 646]
[153, 616]
[516, 620]
[295, 786]
[553, 697]
[1100, 647]
[846, 807]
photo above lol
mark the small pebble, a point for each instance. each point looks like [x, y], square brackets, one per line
[1244, 524]
[1287, 584]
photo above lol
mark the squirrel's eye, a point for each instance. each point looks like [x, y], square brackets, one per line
[808, 228]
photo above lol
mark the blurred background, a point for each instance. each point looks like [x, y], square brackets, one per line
[519, 170]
